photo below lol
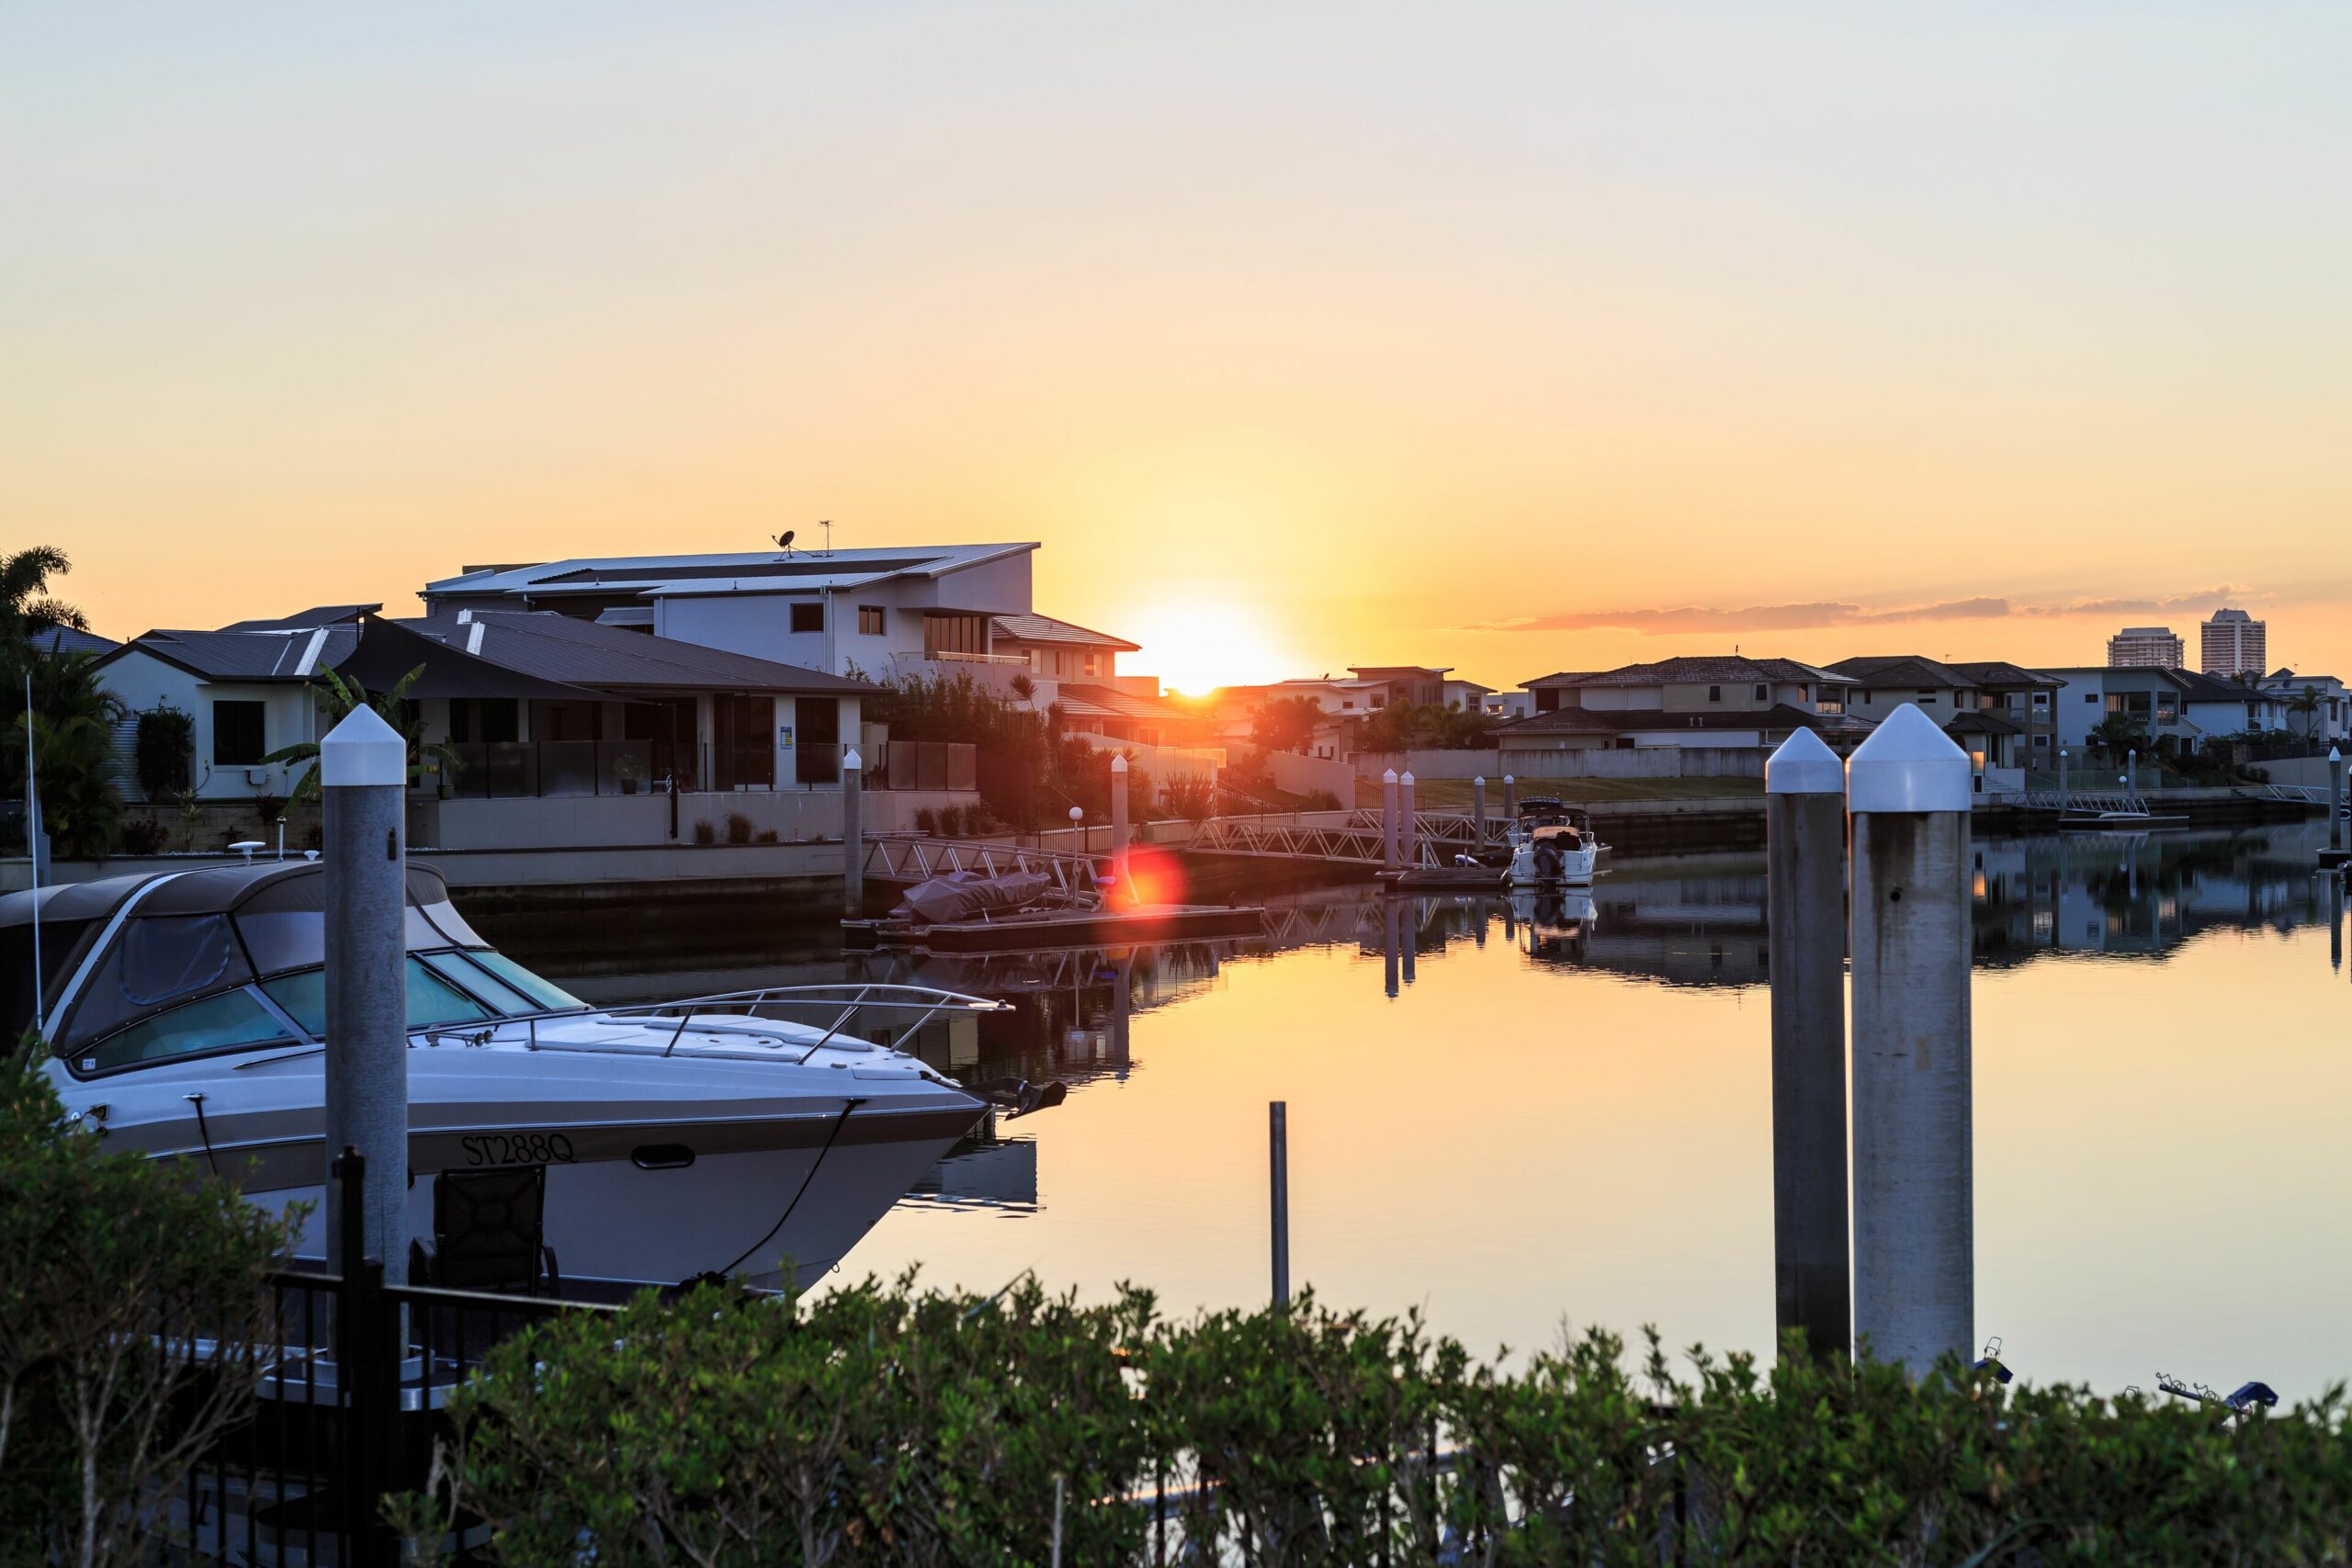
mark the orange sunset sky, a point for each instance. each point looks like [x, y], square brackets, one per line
[1512, 338]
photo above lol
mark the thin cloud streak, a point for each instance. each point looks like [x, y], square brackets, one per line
[1663, 621]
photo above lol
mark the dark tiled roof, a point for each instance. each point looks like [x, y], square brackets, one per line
[66, 640]
[1699, 670]
[1980, 721]
[317, 615]
[1615, 721]
[1045, 628]
[1559, 678]
[582, 653]
[1900, 670]
[2201, 688]
[2000, 673]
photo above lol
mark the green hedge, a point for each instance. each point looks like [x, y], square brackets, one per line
[884, 1424]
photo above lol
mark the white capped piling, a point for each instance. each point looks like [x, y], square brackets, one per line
[1278, 1183]
[1805, 847]
[1388, 819]
[1119, 820]
[1479, 812]
[2061, 780]
[2131, 777]
[1409, 832]
[1914, 1281]
[363, 766]
[852, 833]
[1511, 799]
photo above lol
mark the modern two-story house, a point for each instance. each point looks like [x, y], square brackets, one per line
[872, 612]
[2003, 715]
[1692, 703]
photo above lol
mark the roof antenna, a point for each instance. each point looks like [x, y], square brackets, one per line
[784, 540]
[826, 524]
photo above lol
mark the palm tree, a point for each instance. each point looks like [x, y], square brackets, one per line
[2118, 733]
[2306, 704]
[25, 604]
[72, 739]
[338, 699]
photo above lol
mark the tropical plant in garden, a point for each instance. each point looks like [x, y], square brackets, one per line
[2304, 707]
[72, 743]
[2118, 735]
[338, 700]
[164, 750]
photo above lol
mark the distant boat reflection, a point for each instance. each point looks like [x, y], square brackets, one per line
[1700, 919]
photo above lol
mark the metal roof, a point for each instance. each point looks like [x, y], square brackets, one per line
[1109, 702]
[552, 646]
[751, 571]
[317, 615]
[1045, 628]
[294, 655]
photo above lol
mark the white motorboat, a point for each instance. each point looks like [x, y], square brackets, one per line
[1552, 844]
[184, 1010]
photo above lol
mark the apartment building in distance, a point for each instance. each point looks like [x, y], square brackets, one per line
[2232, 643]
[2135, 647]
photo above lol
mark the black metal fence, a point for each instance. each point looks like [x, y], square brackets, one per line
[354, 1377]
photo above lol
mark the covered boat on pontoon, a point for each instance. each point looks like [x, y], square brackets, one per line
[1552, 844]
[185, 1013]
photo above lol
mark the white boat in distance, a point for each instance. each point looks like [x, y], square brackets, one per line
[184, 1010]
[1552, 844]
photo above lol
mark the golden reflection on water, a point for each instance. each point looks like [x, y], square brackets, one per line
[1512, 1144]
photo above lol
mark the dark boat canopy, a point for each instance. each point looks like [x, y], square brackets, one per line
[138, 944]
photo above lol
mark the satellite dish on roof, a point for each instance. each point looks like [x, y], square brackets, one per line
[784, 540]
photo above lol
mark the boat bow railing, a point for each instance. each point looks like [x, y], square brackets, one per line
[846, 999]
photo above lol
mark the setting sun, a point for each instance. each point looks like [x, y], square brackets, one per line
[1195, 647]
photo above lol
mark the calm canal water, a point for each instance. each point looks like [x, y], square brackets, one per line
[1518, 1124]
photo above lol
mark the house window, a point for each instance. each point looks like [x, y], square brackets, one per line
[808, 615]
[1714, 693]
[873, 620]
[1094, 663]
[1347, 702]
[2041, 699]
[954, 634]
[485, 719]
[237, 734]
[1925, 696]
[2090, 696]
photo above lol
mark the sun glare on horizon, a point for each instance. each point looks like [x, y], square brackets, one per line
[1195, 647]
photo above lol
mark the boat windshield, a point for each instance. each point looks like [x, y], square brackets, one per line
[451, 987]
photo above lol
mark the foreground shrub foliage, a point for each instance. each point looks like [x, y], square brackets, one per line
[892, 1425]
[101, 1416]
